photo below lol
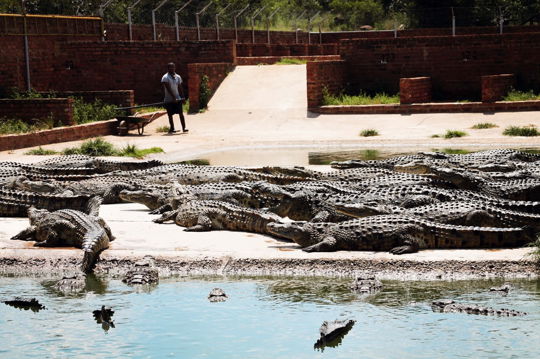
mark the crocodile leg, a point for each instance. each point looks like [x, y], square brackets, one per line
[167, 216]
[204, 224]
[411, 245]
[328, 244]
[163, 209]
[28, 234]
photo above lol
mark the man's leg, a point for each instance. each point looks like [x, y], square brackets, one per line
[170, 114]
[183, 121]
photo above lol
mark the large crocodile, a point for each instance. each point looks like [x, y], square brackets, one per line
[398, 234]
[449, 306]
[68, 228]
[470, 213]
[15, 203]
[216, 215]
[143, 272]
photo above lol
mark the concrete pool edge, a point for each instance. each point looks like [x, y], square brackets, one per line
[116, 265]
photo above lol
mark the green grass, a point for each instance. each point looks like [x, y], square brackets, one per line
[515, 95]
[100, 147]
[14, 126]
[163, 129]
[454, 134]
[361, 99]
[289, 61]
[41, 152]
[452, 151]
[134, 151]
[484, 125]
[196, 162]
[86, 112]
[526, 131]
[369, 132]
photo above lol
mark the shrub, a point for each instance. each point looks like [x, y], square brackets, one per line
[163, 129]
[515, 95]
[13, 126]
[361, 99]
[289, 61]
[484, 125]
[134, 151]
[369, 132]
[100, 147]
[97, 147]
[40, 151]
[85, 112]
[204, 92]
[454, 133]
[530, 130]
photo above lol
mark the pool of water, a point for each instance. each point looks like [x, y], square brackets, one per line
[267, 318]
[300, 155]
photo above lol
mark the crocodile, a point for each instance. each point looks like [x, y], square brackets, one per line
[398, 234]
[25, 304]
[449, 306]
[104, 316]
[217, 295]
[388, 163]
[143, 272]
[366, 285]
[216, 215]
[503, 289]
[15, 203]
[68, 228]
[332, 333]
[99, 165]
[470, 213]
[71, 284]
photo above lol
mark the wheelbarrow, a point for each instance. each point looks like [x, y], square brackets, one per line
[129, 122]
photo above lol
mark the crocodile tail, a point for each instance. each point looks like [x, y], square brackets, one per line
[93, 245]
[92, 207]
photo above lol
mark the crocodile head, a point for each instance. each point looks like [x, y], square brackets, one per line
[359, 209]
[414, 167]
[148, 198]
[300, 232]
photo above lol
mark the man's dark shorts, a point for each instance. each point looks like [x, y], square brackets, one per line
[173, 108]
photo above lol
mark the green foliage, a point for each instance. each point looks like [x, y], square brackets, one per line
[150, 109]
[196, 162]
[134, 151]
[515, 95]
[454, 133]
[351, 14]
[97, 147]
[163, 129]
[204, 92]
[484, 125]
[291, 61]
[100, 147]
[85, 112]
[369, 132]
[14, 126]
[526, 131]
[40, 151]
[452, 151]
[361, 99]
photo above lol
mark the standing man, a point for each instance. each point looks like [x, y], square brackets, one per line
[174, 96]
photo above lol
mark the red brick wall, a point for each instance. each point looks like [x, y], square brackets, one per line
[269, 60]
[134, 65]
[120, 98]
[455, 64]
[324, 74]
[60, 109]
[216, 73]
[264, 50]
[495, 87]
[414, 90]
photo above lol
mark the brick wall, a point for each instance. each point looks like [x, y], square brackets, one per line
[269, 60]
[134, 65]
[495, 87]
[60, 109]
[119, 98]
[324, 74]
[455, 64]
[265, 50]
[414, 90]
[216, 73]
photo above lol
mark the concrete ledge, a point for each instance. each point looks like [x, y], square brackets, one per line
[430, 108]
[270, 60]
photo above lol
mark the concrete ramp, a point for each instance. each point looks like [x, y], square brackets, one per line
[279, 87]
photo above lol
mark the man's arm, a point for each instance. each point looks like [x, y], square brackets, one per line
[181, 91]
[167, 87]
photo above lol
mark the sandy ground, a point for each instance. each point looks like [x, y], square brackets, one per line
[259, 117]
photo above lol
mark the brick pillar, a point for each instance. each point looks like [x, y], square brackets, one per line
[495, 87]
[414, 90]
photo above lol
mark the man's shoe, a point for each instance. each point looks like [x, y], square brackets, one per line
[172, 131]
[185, 130]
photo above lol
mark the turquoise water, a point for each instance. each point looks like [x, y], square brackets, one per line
[267, 318]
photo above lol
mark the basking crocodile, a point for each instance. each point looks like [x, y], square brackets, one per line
[449, 306]
[366, 285]
[71, 284]
[217, 295]
[16, 203]
[216, 215]
[398, 234]
[332, 333]
[143, 272]
[99, 165]
[68, 228]
[470, 213]
[25, 304]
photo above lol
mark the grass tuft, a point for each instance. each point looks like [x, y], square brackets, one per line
[40, 151]
[134, 151]
[526, 131]
[454, 134]
[290, 61]
[484, 125]
[515, 95]
[163, 129]
[361, 99]
[14, 126]
[452, 151]
[369, 132]
[100, 147]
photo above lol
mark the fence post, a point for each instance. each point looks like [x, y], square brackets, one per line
[101, 12]
[217, 19]
[453, 23]
[130, 20]
[501, 21]
[268, 24]
[309, 26]
[26, 50]
[176, 24]
[296, 25]
[197, 20]
[236, 22]
[255, 14]
[154, 18]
